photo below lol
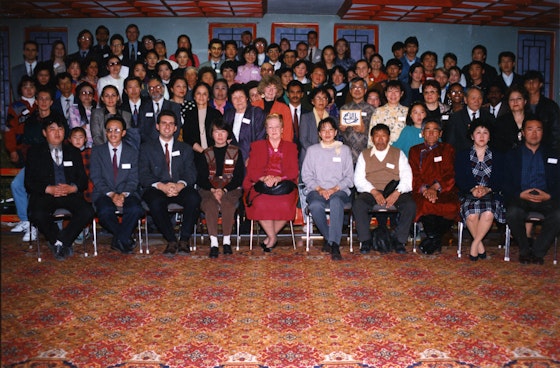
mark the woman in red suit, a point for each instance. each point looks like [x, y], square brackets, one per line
[271, 160]
[271, 88]
[433, 185]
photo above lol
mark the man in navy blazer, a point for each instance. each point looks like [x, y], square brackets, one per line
[114, 173]
[168, 175]
[55, 178]
[149, 112]
[533, 177]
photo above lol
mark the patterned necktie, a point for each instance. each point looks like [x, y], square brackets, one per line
[167, 159]
[30, 72]
[132, 53]
[57, 156]
[296, 124]
[67, 109]
[115, 165]
[157, 109]
[135, 116]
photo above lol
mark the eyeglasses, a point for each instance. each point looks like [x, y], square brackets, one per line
[357, 87]
[85, 38]
[113, 130]
[152, 88]
[114, 63]
[456, 92]
[87, 92]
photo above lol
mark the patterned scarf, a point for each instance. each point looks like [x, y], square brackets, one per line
[481, 170]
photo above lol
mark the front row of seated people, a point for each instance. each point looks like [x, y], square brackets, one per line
[434, 185]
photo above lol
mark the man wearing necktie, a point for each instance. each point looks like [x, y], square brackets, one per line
[114, 173]
[314, 50]
[215, 52]
[456, 130]
[168, 175]
[63, 104]
[30, 53]
[55, 178]
[133, 50]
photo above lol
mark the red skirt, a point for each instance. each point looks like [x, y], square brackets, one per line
[446, 206]
[272, 207]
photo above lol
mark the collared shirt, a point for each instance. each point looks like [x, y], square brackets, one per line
[405, 171]
[532, 169]
[157, 109]
[237, 121]
[495, 109]
[471, 112]
[119, 152]
[54, 154]
[508, 79]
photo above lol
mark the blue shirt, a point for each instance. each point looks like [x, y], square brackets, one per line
[532, 169]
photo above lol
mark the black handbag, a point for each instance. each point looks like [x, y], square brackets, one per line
[283, 187]
[390, 187]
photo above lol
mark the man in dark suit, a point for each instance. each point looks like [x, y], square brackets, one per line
[496, 105]
[533, 177]
[149, 113]
[114, 173]
[456, 130]
[168, 175]
[30, 53]
[63, 104]
[133, 50]
[507, 77]
[133, 102]
[85, 47]
[55, 178]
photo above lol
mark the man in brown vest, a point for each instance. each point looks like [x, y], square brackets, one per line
[383, 179]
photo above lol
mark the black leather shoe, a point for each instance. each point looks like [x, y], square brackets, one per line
[171, 249]
[538, 260]
[326, 246]
[474, 258]
[366, 247]
[214, 251]
[482, 255]
[115, 245]
[265, 248]
[399, 248]
[61, 252]
[335, 252]
[184, 247]
[227, 249]
[524, 259]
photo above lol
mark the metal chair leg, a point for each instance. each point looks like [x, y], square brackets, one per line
[415, 227]
[508, 242]
[251, 236]
[293, 236]
[350, 232]
[459, 238]
[238, 230]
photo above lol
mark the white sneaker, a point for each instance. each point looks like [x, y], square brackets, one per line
[30, 235]
[20, 227]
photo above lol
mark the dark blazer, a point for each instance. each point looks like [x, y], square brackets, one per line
[548, 112]
[140, 52]
[39, 172]
[308, 134]
[517, 80]
[456, 132]
[153, 168]
[147, 119]
[97, 124]
[191, 130]
[18, 71]
[514, 167]
[504, 109]
[101, 171]
[506, 134]
[251, 131]
[464, 178]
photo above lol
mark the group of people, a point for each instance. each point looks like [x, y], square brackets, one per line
[255, 121]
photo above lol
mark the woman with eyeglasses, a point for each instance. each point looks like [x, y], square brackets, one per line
[109, 105]
[456, 96]
[80, 113]
[308, 135]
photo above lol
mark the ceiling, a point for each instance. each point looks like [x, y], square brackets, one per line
[520, 13]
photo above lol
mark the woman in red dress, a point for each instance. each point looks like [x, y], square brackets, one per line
[271, 160]
[433, 185]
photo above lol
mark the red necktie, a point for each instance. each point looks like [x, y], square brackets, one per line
[167, 159]
[115, 165]
[296, 124]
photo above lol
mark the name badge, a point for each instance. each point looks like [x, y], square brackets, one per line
[176, 153]
[56, 65]
[25, 112]
[401, 118]
[438, 159]
[246, 121]
[149, 114]
[125, 166]
[105, 56]
[67, 163]
[338, 94]
[552, 160]
[445, 117]
[336, 159]
[364, 113]
[229, 161]
[390, 165]
[419, 135]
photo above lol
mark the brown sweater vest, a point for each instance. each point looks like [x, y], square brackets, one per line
[380, 173]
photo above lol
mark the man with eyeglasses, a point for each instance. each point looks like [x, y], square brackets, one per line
[114, 173]
[149, 112]
[117, 49]
[168, 175]
[85, 45]
[215, 51]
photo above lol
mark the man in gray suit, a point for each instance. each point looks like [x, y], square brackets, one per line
[114, 173]
[30, 53]
[168, 175]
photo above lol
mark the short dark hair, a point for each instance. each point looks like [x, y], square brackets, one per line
[295, 83]
[508, 54]
[378, 127]
[480, 47]
[230, 42]
[450, 55]
[397, 46]
[328, 120]
[368, 46]
[206, 69]
[237, 87]
[23, 80]
[167, 112]
[53, 120]
[394, 83]
[213, 41]
[428, 53]
[63, 75]
[531, 118]
[220, 124]
[228, 64]
[116, 118]
[273, 46]
[412, 40]
[315, 91]
[116, 36]
[476, 123]
[432, 83]
[130, 79]
[533, 74]
[394, 61]
[164, 62]
[78, 129]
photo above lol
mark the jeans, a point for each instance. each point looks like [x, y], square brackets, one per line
[332, 231]
[20, 195]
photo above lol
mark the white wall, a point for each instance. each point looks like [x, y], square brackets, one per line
[435, 37]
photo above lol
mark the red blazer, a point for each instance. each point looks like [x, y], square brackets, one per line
[284, 110]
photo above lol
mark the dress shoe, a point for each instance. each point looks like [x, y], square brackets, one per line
[538, 260]
[399, 247]
[365, 248]
[265, 248]
[430, 245]
[335, 252]
[61, 252]
[474, 258]
[214, 251]
[326, 246]
[482, 255]
[171, 249]
[524, 259]
[115, 245]
[184, 247]
[227, 249]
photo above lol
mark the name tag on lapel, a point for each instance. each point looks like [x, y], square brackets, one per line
[149, 114]
[176, 153]
[445, 117]
[229, 161]
[246, 121]
[336, 159]
[67, 163]
[126, 166]
[390, 165]
[438, 159]
[338, 94]
[552, 160]
[25, 112]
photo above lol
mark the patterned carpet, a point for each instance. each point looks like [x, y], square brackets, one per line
[283, 309]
